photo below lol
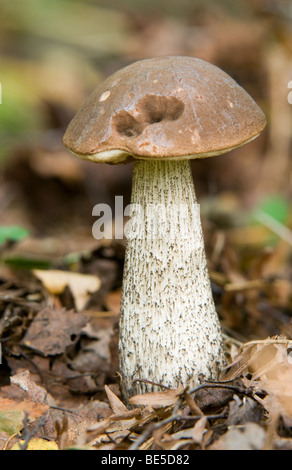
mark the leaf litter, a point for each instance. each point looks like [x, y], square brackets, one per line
[59, 380]
[62, 383]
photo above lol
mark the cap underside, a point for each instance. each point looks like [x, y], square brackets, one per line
[121, 157]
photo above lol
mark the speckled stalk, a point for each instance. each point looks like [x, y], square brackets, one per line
[169, 329]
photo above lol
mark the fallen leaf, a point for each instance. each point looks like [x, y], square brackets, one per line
[156, 399]
[195, 410]
[195, 433]
[250, 437]
[115, 403]
[269, 364]
[11, 422]
[34, 392]
[81, 285]
[118, 425]
[12, 414]
[53, 330]
[244, 410]
[35, 410]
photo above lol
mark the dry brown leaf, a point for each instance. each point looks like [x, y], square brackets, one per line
[270, 366]
[33, 392]
[156, 399]
[111, 436]
[118, 425]
[108, 431]
[257, 357]
[195, 410]
[195, 433]
[35, 410]
[99, 428]
[127, 414]
[279, 389]
[176, 444]
[248, 437]
[122, 417]
[53, 330]
[199, 430]
[115, 403]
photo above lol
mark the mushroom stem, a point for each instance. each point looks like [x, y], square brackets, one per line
[169, 328]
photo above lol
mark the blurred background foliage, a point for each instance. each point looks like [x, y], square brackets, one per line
[54, 53]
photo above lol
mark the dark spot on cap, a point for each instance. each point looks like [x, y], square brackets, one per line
[126, 125]
[159, 108]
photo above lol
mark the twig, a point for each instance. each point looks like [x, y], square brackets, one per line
[235, 388]
[174, 417]
[29, 434]
[65, 410]
[9, 440]
[267, 341]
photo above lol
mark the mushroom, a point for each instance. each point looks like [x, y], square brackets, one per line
[161, 113]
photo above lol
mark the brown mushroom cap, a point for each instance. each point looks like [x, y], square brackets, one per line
[164, 108]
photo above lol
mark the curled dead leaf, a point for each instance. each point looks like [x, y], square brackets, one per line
[156, 399]
[268, 362]
[81, 285]
[34, 392]
[115, 403]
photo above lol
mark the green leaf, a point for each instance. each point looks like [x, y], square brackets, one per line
[11, 422]
[12, 232]
[276, 207]
[273, 213]
[27, 263]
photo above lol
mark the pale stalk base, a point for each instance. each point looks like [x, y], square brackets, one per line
[169, 329]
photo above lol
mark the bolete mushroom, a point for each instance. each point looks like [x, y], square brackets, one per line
[161, 113]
